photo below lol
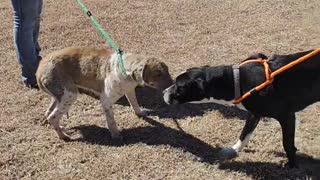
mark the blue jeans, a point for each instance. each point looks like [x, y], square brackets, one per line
[26, 32]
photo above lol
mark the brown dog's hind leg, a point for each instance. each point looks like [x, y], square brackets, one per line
[62, 107]
[51, 107]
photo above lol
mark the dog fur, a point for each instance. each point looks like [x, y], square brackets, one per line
[289, 93]
[66, 73]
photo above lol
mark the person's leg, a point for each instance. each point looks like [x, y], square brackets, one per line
[36, 30]
[26, 29]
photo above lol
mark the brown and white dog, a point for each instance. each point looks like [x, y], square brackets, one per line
[65, 73]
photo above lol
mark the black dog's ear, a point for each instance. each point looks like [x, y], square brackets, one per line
[182, 79]
[256, 56]
[193, 69]
[190, 69]
[197, 68]
[201, 83]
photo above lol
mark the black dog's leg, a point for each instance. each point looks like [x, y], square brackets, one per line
[287, 123]
[246, 133]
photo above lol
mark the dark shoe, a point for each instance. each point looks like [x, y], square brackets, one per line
[30, 82]
[31, 85]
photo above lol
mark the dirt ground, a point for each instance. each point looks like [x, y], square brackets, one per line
[180, 142]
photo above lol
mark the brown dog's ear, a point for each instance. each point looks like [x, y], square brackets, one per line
[137, 74]
[150, 66]
[143, 71]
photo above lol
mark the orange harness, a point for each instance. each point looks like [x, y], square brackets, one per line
[270, 75]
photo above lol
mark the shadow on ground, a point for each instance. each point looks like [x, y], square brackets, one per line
[180, 112]
[308, 169]
[152, 99]
[156, 134]
[147, 97]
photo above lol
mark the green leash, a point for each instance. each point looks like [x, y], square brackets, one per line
[105, 36]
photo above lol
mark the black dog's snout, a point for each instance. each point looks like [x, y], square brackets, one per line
[164, 91]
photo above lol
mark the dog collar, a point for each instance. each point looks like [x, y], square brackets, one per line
[236, 80]
[269, 79]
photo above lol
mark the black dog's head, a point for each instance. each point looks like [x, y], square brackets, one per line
[199, 83]
[188, 86]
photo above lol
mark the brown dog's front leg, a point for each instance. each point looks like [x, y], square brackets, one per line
[111, 124]
[132, 98]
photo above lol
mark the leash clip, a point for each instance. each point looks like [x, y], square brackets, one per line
[119, 51]
[120, 62]
[89, 13]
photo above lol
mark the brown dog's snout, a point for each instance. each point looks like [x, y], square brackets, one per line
[167, 82]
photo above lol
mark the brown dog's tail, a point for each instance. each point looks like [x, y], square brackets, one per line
[42, 87]
[42, 76]
[39, 73]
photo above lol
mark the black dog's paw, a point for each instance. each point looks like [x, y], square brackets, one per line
[227, 153]
[291, 165]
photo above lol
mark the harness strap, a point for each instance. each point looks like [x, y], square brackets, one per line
[270, 75]
[268, 81]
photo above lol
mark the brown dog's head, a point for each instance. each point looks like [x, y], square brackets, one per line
[156, 74]
[149, 71]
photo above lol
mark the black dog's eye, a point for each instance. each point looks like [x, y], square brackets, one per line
[179, 91]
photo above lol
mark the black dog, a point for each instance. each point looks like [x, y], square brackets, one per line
[290, 92]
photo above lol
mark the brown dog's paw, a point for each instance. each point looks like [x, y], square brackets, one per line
[143, 112]
[62, 135]
[65, 138]
[117, 140]
[44, 121]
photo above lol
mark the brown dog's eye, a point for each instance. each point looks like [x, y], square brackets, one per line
[158, 74]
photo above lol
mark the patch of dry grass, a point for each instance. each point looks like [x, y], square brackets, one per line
[174, 142]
